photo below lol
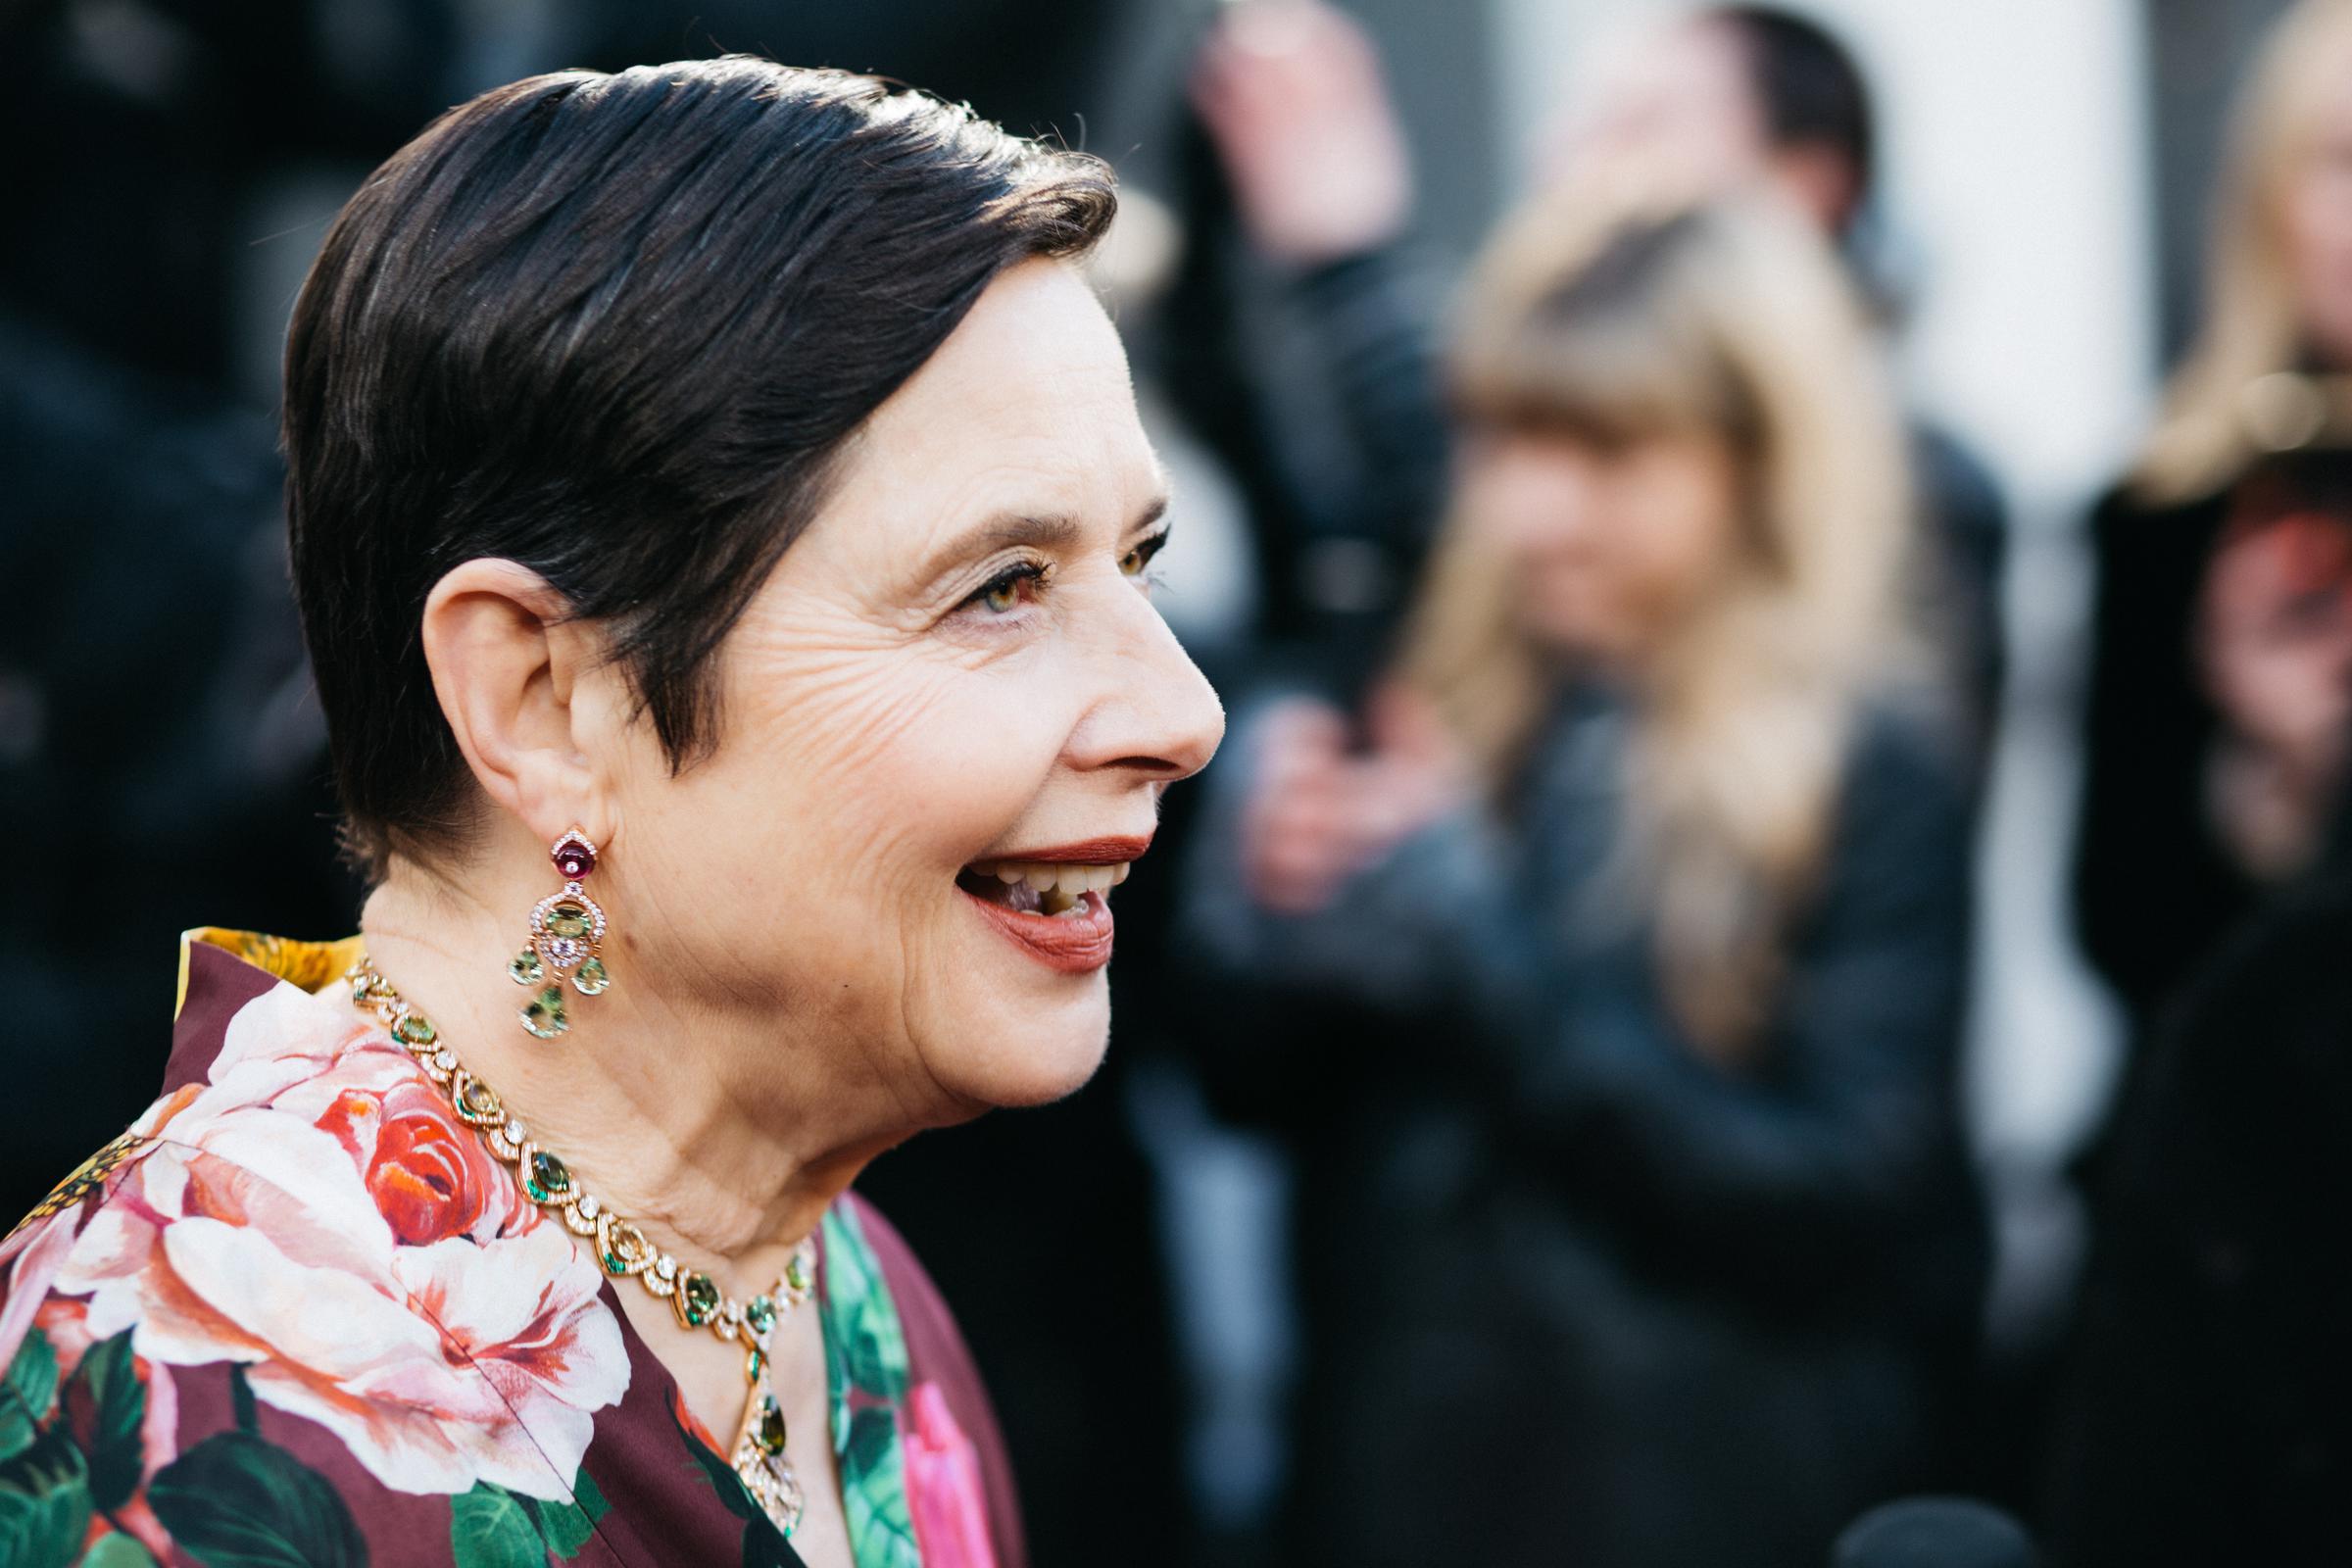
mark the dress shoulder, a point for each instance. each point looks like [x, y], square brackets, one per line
[297, 1303]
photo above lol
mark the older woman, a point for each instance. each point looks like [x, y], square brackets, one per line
[723, 532]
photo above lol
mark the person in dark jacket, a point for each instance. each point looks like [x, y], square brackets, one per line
[2208, 1418]
[2221, 659]
[1611, 995]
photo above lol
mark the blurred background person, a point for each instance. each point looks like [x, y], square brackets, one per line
[2203, 1417]
[1296, 337]
[2199, 1414]
[2221, 659]
[1725, 99]
[1635, 1225]
[1744, 95]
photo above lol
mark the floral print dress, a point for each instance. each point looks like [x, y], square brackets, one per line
[297, 1316]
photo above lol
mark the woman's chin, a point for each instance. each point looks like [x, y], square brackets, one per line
[1034, 1055]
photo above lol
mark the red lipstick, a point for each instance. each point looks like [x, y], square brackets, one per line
[1075, 943]
[1085, 852]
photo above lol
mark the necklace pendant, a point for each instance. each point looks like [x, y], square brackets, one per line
[759, 1460]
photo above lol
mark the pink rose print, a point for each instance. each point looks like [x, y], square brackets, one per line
[944, 1488]
[317, 1212]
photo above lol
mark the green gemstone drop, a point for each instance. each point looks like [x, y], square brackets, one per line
[592, 978]
[527, 970]
[771, 1428]
[549, 1180]
[544, 1018]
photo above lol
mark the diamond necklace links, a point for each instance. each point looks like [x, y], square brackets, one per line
[621, 1249]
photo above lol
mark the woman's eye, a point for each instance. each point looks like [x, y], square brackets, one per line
[1008, 590]
[1134, 562]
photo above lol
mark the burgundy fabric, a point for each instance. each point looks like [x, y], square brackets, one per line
[936, 1353]
[218, 983]
[639, 1463]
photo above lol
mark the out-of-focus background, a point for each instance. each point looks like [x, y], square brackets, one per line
[1137, 1268]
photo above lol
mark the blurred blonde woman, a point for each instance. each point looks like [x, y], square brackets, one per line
[2200, 1415]
[2221, 640]
[1609, 982]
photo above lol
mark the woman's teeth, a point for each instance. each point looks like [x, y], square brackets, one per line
[1049, 876]
[1048, 887]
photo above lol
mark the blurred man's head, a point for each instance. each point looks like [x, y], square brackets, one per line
[1737, 95]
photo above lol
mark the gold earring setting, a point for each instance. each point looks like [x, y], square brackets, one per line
[566, 942]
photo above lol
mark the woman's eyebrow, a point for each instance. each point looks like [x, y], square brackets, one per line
[1011, 530]
[1002, 531]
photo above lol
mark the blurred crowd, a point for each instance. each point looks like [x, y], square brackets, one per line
[1533, 1132]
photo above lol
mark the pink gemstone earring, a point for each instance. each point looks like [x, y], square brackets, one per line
[566, 939]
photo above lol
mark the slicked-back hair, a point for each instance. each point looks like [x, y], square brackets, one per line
[615, 328]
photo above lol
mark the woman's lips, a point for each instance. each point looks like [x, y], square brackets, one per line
[1074, 943]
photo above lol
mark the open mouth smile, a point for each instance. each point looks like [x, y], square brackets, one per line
[1055, 904]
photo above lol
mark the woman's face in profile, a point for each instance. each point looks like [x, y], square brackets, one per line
[954, 687]
[1608, 545]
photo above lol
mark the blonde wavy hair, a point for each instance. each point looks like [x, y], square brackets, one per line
[2212, 421]
[1731, 320]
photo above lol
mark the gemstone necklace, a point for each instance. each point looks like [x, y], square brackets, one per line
[622, 1248]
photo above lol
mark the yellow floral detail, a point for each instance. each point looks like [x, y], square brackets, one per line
[87, 1178]
[310, 965]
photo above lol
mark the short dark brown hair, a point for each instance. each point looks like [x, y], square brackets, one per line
[614, 327]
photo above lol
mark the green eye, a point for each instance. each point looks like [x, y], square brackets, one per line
[1008, 590]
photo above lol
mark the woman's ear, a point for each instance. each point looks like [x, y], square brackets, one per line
[506, 665]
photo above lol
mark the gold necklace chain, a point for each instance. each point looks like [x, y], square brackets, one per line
[620, 1248]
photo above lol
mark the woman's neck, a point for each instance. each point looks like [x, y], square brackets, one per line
[637, 1096]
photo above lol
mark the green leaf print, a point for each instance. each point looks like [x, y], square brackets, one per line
[44, 1503]
[566, 1525]
[118, 1404]
[490, 1527]
[26, 1394]
[763, 1544]
[837, 1386]
[43, 1529]
[873, 1493]
[235, 1500]
[240, 1400]
[114, 1550]
[858, 1312]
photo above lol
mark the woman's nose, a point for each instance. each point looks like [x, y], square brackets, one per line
[1160, 714]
